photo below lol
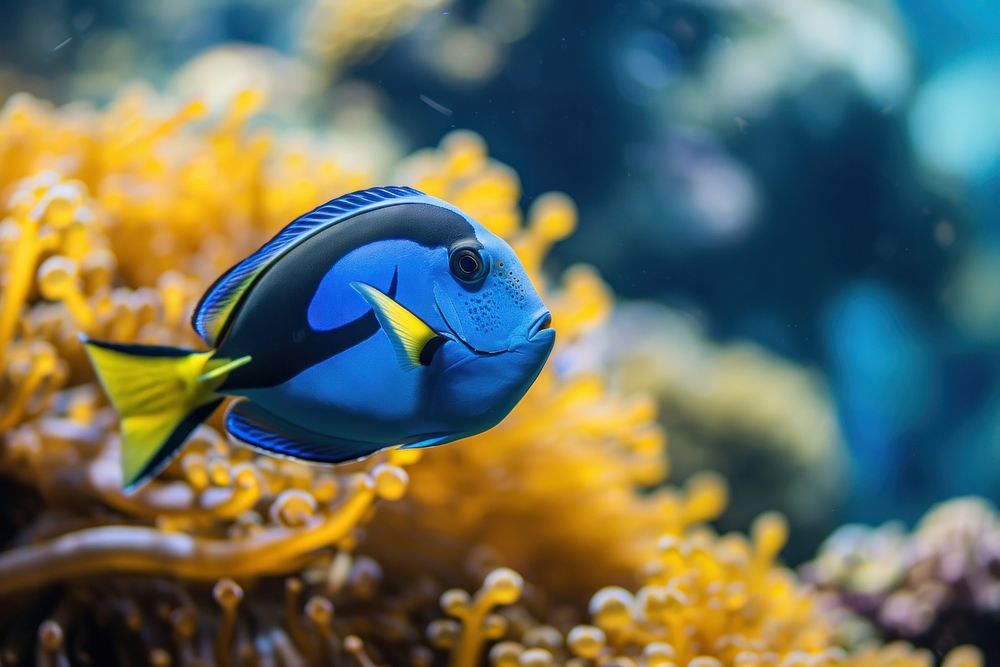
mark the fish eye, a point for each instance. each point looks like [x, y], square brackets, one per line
[467, 263]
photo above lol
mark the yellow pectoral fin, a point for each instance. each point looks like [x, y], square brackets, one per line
[408, 333]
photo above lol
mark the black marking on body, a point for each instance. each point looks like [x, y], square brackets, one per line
[271, 322]
[432, 346]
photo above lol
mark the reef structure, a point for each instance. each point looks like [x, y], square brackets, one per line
[938, 586]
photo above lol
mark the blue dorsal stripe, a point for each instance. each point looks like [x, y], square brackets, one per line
[218, 300]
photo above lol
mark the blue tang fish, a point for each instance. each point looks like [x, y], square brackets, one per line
[384, 317]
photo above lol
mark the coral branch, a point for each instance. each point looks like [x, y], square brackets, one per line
[176, 499]
[17, 282]
[150, 551]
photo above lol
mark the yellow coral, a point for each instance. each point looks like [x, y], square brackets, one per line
[705, 601]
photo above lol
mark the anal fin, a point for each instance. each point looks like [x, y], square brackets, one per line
[265, 431]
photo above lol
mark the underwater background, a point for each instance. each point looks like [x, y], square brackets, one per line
[769, 232]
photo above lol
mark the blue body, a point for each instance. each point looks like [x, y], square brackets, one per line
[494, 335]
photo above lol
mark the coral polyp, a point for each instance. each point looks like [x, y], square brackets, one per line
[705, 600]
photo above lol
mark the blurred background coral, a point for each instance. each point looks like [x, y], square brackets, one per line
[769, 232]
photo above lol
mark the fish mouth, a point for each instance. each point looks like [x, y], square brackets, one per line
[542, 323]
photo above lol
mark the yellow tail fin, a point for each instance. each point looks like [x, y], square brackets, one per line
[161, 395]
